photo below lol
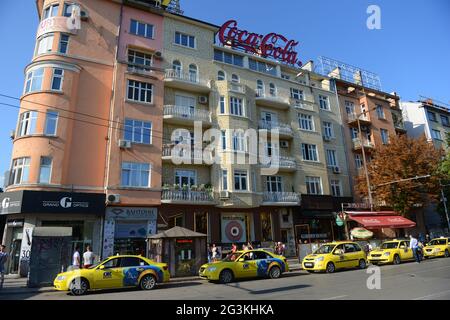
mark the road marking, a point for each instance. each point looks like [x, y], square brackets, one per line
[434, 295]
[334, 298]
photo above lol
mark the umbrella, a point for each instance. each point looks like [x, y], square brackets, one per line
[361, 233]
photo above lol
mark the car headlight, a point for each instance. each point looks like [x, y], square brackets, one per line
[61, 278]
[319, 259]
[212, 269]
[387, 254]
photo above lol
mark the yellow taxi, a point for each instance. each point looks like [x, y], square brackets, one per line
[439, 247]
[245, 264]
[392, 251]
[114, 272]
[335, 255]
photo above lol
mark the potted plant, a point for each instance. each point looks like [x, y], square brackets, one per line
[176, 187]
[166, 186]
[202, 187]
[185, 187]
[194, 187]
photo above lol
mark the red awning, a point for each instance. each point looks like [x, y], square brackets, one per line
[378, 222]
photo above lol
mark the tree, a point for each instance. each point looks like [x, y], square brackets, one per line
[403, 158]
[444, 169]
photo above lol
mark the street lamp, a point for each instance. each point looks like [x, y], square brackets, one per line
[444, 200]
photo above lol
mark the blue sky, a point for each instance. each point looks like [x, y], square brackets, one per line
[410, 53]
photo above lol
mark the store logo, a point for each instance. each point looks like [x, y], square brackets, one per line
[5, 203]
[66, 202]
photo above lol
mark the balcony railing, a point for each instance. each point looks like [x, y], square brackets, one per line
[302, 104]
[188, 113]
[399, 125]
[140, 69]
[196, 153]
[274, 97]
[282, 162]
[353, 117]
[283, 128]
[190, 77]
[236, 87]
[357, 144]
[280, 197]
[187, 196]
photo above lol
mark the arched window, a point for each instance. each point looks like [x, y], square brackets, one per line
[221, 75]
[272, 90]
[259, 88]
[235, 78]
[176, 66]
[193, 74]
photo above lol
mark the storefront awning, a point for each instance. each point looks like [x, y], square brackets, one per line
[384, 221]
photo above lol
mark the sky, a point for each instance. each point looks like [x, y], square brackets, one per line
[410, 52]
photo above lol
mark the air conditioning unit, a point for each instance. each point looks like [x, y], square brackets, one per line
[203, 99]
[113, 198]
[12, 134]
[284, 144]
[224, 195]
[158, 55]
[327, 138]
[84, 15]
[336, 170]
[124, 144]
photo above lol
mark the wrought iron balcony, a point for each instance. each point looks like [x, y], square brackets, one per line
[181, 114]
[283, 128]
[187, 196]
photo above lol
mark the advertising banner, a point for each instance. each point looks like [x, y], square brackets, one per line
[233, 228]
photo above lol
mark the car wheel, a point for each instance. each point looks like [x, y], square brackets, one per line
[362, 264]
[397, 259]
[275, 272]
[447, 254]
[148, 282]
[226, 276]
[79, 286]
[330, 267]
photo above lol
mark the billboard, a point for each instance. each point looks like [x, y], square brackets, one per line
[233, 227]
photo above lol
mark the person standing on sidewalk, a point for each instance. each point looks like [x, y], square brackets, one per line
[3, 258]
[88, 258]
[76, 259]
[414, 246]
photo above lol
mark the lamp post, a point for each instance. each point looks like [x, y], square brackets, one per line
[444, 200]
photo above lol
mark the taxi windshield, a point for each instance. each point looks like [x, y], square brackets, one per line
[328, 248]
[437, 242]
[231, 257]
[389, 245]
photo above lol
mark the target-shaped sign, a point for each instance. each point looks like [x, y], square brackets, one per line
[234, 231]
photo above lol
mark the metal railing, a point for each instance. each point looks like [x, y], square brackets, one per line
[196, 153]
[357, 143]
[281, 197]
[302, 104]
[283, 128]
[236, 87]
[353, 117]
[191, 77]
[187, 195]
[282, 162]
[399, 125]
[261, 93]
[187, 113]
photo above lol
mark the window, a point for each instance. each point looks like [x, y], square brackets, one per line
[271, 149]
[193, 75]
[262, 67]
[306, 122]
[34, 80]
[138, 131]
[27, 123]
[336, 189]
[444, 120]
[380, 112]
[184, 40]
[68, 10]
[20, 171]
[50, 11]
[296, 94]
[274, 184]
[313, 185]
[431, 116]
[358, 161]
[132, 262]
[63, 43]
[240, 180]
[140, 91]
[309, 152]
[135, 174]
[384, 136]
[221, 75]
[354, 133]
[349, 107]
[236, 106]
[235, 78]
[272, 90]
[185, 177]
[328, 130]
[285, 76]
[436, 134]
[224, 140]
[239, 141]
[323, 102]
[331, 158]
[140, 59]
[45, 170]
[228, 58]
[259, 88]
[141, 29]
[113, 263]
[176, 66]
[45, 44]
[57, 80]
[51, 122]
[222, 104]
[224, 179]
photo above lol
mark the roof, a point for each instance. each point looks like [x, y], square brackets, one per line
[178, 232]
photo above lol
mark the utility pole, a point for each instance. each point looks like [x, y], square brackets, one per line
[444, 200]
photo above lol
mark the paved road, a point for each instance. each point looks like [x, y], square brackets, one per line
[427, 280]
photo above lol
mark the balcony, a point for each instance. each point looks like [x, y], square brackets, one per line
[400, 127]
[367, 145]
[197, 157]
[353, 119]
[187, 197]
[182, 115]
[271, 100]
[140, 70]
[302, 104]
[286, 164]
[281, 199]
[284, 129]
[186, 81]
[236, 87]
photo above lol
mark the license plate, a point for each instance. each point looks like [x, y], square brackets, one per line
[308, 265]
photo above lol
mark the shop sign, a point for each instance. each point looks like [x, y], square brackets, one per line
[181, 241]
[15, 223]
[11, 202]
[131, 213]
[233, 228]
[272, 45]
[314, 235]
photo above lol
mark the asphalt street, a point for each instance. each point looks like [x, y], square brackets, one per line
[428, 280]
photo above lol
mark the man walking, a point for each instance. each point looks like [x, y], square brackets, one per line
[76, 259]
[414, 246]
[3, 258]
[88, 258]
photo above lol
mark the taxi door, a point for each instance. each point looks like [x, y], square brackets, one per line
[339, 257]
[246, 266]
[109, 276]
[352, 255]
[405, 252]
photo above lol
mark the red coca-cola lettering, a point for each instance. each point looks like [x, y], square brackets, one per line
[271, 45]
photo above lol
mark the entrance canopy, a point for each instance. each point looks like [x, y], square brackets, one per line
[378, 220]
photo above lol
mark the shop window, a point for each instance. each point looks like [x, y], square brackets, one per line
[201, 222]
[266, 227]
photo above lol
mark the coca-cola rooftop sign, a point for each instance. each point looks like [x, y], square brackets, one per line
[272, 45]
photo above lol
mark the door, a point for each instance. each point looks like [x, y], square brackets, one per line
[339, 257]
[111, 276]
[405, 252]
[186, 105]
[15, 255]
[269, 118]
[246, 268]
[352, 255]
[132, 267]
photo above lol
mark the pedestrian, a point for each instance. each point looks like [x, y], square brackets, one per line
[88, 258]
[414, 246]
[427, 238]
[209, 254]
[76, 263]
[214, 253]
[249, 245]
[233, 248]
[244, 247]
[3, 258]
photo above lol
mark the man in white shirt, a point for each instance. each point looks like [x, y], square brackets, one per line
[414, 246]
[88, 258]
[76, 258]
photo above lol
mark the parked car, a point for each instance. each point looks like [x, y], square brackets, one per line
[439, 247]
[391, 251]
